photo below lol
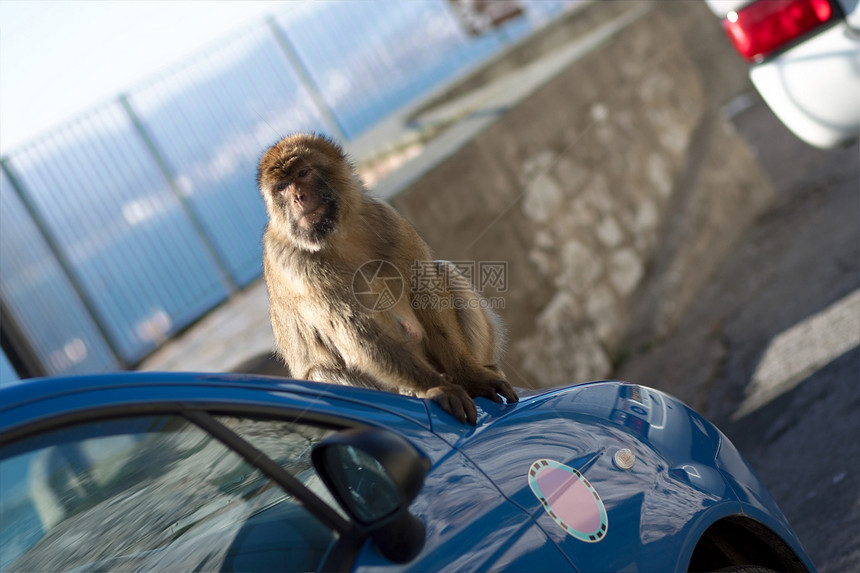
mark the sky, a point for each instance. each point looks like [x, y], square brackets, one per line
[59, 58]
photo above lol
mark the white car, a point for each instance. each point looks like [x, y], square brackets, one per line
[805, 57]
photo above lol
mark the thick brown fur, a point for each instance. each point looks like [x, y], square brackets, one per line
[323, 226]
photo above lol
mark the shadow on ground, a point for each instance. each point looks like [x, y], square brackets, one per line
[804, 447]
[266, 364]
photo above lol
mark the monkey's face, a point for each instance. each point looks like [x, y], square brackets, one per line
[307, 201]
[305, 181]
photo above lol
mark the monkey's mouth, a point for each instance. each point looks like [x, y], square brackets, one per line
[313, 213]
[315, 219]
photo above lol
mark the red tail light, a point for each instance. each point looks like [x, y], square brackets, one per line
[767, 25]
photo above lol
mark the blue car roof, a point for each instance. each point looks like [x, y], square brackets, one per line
[34, 392]
[41, 398]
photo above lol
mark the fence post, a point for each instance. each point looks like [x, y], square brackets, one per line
[305, 77]
[64, 263]
[226, 277]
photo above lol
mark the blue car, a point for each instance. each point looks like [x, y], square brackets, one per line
[193, 472]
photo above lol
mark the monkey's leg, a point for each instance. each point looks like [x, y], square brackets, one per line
[389, 364]
[464, 337]
[481, 327]
[475, 321]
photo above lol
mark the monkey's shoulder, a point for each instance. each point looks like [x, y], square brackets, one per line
[398, 240]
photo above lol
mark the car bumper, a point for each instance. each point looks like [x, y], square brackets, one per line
[814, 87]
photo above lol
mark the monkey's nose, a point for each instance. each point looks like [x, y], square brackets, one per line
[305, 202]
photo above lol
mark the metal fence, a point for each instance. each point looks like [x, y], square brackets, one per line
[126, 225]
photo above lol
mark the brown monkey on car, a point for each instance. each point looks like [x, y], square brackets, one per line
[325, 235]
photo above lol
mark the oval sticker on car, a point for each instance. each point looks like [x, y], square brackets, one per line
[569, 499]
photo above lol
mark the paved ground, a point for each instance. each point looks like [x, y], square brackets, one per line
[773, 340]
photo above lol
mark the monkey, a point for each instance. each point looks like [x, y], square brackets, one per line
[325, 235]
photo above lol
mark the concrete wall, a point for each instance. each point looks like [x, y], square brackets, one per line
[612, 193]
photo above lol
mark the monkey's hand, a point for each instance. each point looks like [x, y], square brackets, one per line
[454, 400]
[492, 388]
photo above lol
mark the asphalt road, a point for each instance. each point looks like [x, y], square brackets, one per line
[773, 340]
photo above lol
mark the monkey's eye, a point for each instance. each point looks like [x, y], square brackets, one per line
[303, 172]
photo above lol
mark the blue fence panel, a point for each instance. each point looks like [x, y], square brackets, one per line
[40, 298]
[121, 228]
[211, 120]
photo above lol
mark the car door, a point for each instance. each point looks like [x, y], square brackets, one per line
[471, 526]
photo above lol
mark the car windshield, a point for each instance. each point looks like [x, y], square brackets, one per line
[157, 493]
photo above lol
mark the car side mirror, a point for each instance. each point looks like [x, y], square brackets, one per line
[375, 474]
